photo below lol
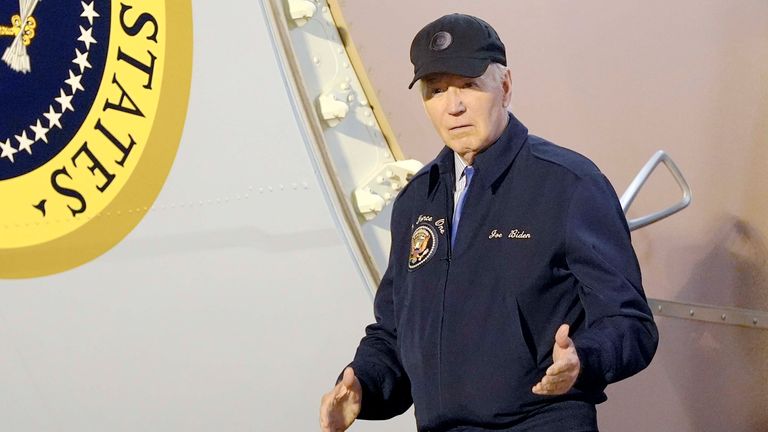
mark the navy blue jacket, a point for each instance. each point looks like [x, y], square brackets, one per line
[464, 332]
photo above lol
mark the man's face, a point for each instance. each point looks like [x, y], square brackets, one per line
[469, 114]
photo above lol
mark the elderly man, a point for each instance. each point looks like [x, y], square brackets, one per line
[513, 295]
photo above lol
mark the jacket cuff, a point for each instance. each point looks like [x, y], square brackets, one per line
[595, 363]
[369, 398]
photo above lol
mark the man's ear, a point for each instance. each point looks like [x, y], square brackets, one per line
[506, 85]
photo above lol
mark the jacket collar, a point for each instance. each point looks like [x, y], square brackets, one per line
[491, 163]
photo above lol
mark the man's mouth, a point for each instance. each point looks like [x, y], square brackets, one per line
[459, 128]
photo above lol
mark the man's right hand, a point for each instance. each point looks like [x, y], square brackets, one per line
[340, 406]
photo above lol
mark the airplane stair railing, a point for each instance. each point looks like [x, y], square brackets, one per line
[700, 312]
[629, 195]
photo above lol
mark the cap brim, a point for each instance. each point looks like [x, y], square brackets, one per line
[468, 67]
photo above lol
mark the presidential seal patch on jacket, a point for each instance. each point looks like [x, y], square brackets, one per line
[94, 95]
[423, 246]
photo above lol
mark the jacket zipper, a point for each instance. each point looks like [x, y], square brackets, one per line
[449, 249]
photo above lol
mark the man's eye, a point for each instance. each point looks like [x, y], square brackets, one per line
[470, 84]
[436, 90]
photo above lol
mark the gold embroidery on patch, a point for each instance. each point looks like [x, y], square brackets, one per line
[423, 246]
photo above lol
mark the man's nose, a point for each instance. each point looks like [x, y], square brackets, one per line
[455, 101]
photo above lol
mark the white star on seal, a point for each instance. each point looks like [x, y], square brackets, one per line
[81, 60]
[65, 101]
[24, 142]
[74, 82]
[86, 38]
[53, 117]
[88, 12]
[40, 132]
[8, 150]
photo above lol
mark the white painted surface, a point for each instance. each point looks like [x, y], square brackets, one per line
[232, 306]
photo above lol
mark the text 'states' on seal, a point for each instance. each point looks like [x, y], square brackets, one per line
[94, 99]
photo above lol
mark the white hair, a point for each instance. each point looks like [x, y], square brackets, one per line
[496, 72]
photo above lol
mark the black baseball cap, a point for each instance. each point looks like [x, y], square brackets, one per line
[458, 44]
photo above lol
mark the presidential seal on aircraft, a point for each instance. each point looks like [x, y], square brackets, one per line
[93, 98]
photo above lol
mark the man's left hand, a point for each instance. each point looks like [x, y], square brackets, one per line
[562, 374]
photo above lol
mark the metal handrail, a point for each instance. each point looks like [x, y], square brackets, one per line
[629, 195]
